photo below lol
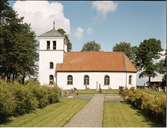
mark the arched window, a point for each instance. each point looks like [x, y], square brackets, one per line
[69, 80]
[106, 80]
[51, 79]
[48, 45]
[86, 80]
[51, 65]
[54, 44]
[130, 79]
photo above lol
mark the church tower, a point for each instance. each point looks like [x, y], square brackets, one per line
[51, 51]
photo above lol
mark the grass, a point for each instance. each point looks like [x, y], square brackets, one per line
[110, 91]
[94, 91]
[122, 115]
[53, 115]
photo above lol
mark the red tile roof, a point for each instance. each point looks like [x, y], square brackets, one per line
[96, 62]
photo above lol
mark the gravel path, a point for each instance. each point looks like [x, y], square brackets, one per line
[91, 115]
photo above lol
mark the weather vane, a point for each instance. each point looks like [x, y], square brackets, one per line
[53, 24]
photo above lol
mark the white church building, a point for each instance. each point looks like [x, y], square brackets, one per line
[82, 70]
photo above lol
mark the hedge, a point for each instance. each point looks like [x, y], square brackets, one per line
[152, 103]
[17, 99]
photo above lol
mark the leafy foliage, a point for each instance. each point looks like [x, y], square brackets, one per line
[130, 52]
[18, 52]
[148, 51]
[91, 46]
[151, 102]
[7, 103]
[124, 47]
[67, 40]
[16, 99]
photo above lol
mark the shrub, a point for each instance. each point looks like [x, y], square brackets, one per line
[17, 99]
[53, 95]
[41, 94]
[152, 104]
[25, 101]
[7, 103]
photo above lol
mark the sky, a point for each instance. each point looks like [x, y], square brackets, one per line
[105, 22]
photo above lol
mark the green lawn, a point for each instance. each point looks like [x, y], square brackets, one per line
[110, 91]
[94, 91]
[122, 115]
[53, 115]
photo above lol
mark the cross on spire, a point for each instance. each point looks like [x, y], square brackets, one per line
[53, 24]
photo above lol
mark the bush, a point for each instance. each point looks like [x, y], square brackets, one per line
[53, 94]
[17, 99]
[25, 101]
[151, 103]
[7, 102]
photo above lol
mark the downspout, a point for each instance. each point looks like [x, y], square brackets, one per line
[125, 69]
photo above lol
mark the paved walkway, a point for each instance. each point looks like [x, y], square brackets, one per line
[91, 115]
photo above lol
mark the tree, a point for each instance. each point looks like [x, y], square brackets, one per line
[130, 52]
[18, 47]
[69, 44]
[148, 51]
[124, 47]
[91, 46]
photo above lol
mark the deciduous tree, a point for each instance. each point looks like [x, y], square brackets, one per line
[69, 44]
[91, 46]
[148, 51]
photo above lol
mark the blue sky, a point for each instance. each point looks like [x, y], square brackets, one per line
[131, 21]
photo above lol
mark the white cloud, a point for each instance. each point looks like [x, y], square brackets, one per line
[41, 14]
[104, 7]
[79, 32]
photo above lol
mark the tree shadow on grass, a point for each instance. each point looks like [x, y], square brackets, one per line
[152, 121]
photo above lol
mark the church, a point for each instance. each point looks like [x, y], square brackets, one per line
[82, 70]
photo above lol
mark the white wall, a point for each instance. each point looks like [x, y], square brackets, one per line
[95, 78]
[59, 43]
[47, 56]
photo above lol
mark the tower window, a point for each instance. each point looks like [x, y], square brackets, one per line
[130, 79]
[54, 44]
[51, 79]
[69, 80]
[51, 65]
[86, 80]
[48, 45]
[106, 80]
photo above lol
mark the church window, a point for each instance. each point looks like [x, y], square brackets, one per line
[130, 79]
[51, 79]
[54, 44]
[48, 45]
[86, 80]
[69, 80]
[51, 65]
[106, 80]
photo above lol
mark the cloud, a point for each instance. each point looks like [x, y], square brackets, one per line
[79, 32]
[104, 7]
[41, 14]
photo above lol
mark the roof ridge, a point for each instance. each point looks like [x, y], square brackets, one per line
[51, 32]
[94, 52]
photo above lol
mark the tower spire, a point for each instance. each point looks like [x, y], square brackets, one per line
[53, 24]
